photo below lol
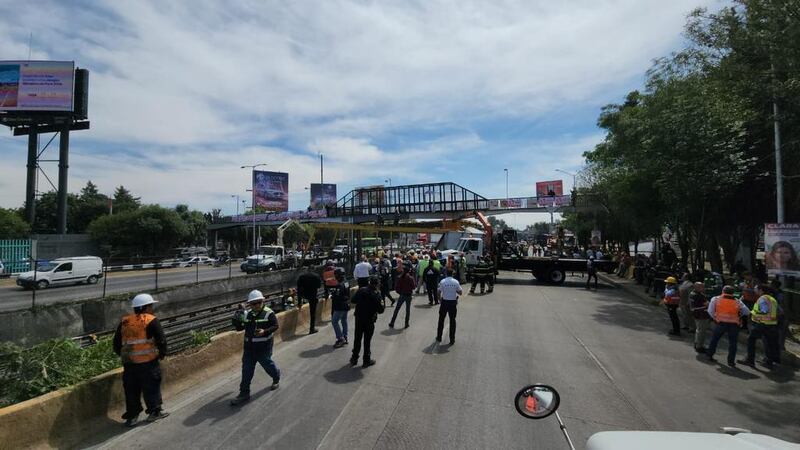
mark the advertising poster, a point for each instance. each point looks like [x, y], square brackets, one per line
[271, 190]
[36, 85]
[597, 238]
[512, 203]
[558, 200]
[322, 194]
[549, 188]
[781, 244]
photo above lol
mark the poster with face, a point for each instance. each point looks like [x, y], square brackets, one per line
[781, 244]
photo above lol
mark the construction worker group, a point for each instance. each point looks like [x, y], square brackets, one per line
[140, 340]
[726, 315]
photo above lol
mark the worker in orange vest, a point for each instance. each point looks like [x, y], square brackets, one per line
[140, 342]
[672, 300]
[727, 312]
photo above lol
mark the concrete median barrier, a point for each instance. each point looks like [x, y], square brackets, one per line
[89, 413]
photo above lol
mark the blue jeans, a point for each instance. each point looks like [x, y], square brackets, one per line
[403, 298]
[339, 319]
[732, 330]
[261, 356]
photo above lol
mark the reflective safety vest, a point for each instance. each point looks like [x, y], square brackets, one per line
[137, 348]
[768, 318]
[330, 278]
[726, 310]
[671, 297]
[260, 320]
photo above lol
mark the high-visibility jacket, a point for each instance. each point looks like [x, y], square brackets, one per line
[727, 310]
[329, 276]
[137, 348]
[672, 297]
[768, 318]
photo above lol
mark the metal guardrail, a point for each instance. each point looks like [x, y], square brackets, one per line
[178, 329]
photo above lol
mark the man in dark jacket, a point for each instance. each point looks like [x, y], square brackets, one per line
[480, 274]
[404, 286]
[140, 341]
[368, 305]
[308, 285]
[259, 324]
[430, 275]
[340, 306]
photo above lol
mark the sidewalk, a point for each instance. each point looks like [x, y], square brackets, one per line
[790, 356]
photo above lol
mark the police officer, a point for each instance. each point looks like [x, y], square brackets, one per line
[672, 300]
[764, 317]
[449, 290]
[368, 305]
[140, 342]
[430, 277]
[489, 273]
[259, 324]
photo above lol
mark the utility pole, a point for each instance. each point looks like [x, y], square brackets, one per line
[320, 169]
[778, 168]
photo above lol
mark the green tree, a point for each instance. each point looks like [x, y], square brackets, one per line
[124, 200]
[148, 231]
[12, 226]
[195, 223]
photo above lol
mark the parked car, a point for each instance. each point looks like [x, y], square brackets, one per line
[76, 270]
[339, 251]
[2, 270]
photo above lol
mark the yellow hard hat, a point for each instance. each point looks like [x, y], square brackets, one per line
[671, 280]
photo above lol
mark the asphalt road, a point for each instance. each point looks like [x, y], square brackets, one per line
[14, 297]
[607, 354]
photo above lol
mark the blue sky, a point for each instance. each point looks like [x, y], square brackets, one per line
[183, 93]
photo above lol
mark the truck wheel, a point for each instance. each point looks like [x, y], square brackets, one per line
[42, 284]
[556, 276]
[92, 279]
[271, 268]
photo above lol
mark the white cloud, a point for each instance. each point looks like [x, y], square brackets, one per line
[183, 92]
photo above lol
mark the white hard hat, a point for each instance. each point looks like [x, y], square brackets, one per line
[255, 296]
[142, 300]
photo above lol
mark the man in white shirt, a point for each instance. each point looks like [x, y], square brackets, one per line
[449, 290]
[361, 272]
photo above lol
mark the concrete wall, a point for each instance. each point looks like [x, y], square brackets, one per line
[30, 327]
[89, 413]
[51, 246]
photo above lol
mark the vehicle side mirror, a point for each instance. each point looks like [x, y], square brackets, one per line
[537, 401]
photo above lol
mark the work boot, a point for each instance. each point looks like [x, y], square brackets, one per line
[240, 399]
[369, 362]
[156, 415]
[132, 421]
[354, 361]
[339, 343]
[747, 362]
[275, 385]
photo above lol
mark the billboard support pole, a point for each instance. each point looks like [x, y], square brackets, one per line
[30, 190]
[63, 166]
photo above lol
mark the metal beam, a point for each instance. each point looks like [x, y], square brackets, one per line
[63, 165]
[24, 131]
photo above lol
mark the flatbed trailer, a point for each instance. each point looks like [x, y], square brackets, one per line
[550, 270]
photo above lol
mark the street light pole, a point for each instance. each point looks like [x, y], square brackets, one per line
[388, 180]
[237, 202]
[506, 170]
[253, 207]
[574, 186]
[320, 169]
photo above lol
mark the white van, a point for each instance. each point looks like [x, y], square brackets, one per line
[76, 270]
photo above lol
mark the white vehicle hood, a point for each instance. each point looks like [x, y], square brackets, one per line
[28, 275]
[665, 440]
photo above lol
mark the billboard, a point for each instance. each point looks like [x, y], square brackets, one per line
[322, 195]
[781, 244]
[558, 200]
[36, 85]
[271, 190]
[549, 188]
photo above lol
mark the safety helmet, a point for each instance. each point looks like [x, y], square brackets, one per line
[255, 296]
[142, 300]
[671, 280]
